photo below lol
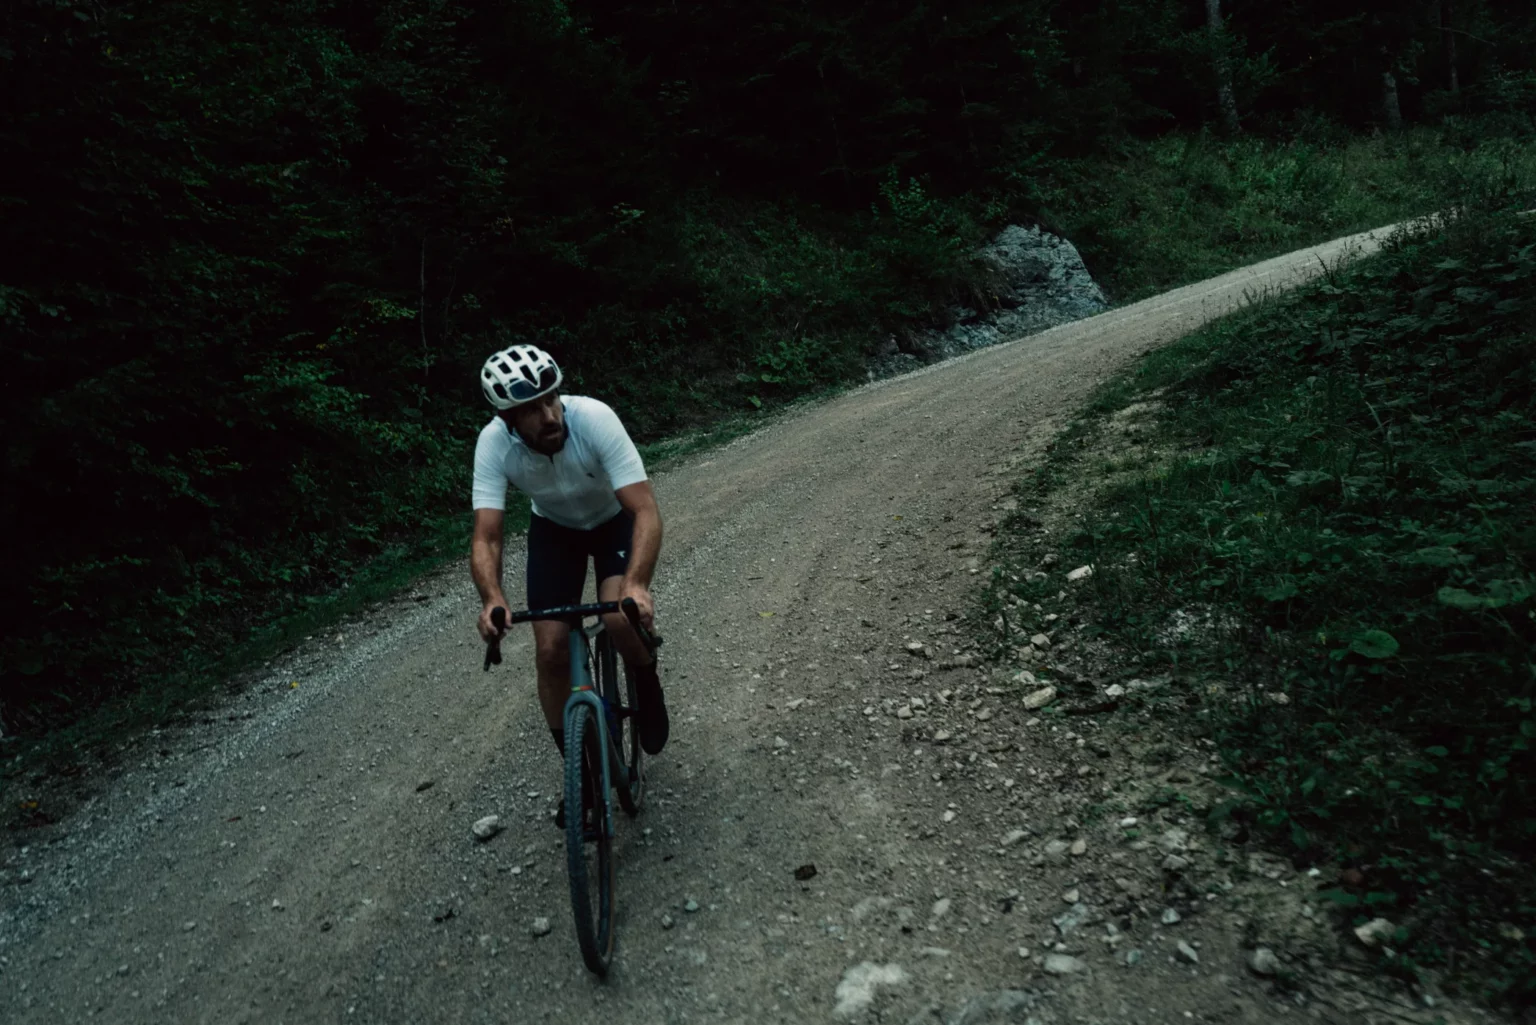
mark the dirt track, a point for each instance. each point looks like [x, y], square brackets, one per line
[288, 866]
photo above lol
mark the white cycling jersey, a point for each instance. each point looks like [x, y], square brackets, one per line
[574, 487]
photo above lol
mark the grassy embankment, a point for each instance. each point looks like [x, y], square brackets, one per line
[1341, 487]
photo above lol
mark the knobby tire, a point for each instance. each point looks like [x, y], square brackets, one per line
[594, 919]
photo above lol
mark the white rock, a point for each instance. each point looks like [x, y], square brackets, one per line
[1174, 841]
[984, 715]
[1264, 962]
[1024, 953]
[1171, 917]
[691, 905]
[1375, 932]
[540, 926]
[794, 703]
[1071, 896]
[1056, 850]
[870, 906]
[940, 908]
[942, 736]
[1188, 953]
[486, 828]
[1040, 641]
[856, 991]
[1063, 964]
[1081, 573]
[667, 921]
[1074, 918]
[1025, 678]
[949, 816]
[780, 743]
[904, 712]
[1079, 848]
[1128, 822]
[1014, 836]
[1114, 690]
[933, 952]
[1040, 698]
[1174, 863]
[918, 704]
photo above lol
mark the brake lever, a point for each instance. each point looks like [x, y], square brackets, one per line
[631, 612]
[493, 646]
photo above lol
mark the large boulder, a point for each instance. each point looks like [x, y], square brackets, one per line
[1036, 268]
[1038, 280]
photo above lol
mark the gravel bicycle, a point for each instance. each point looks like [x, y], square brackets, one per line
[602, 757]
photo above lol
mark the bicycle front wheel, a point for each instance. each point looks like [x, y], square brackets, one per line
[588, 846]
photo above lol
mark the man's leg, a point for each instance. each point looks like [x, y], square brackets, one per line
[552, 661]
[556, 574]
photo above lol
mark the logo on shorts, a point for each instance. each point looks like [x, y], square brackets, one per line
[623, 554]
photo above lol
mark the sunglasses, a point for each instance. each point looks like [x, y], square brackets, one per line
[520, 389]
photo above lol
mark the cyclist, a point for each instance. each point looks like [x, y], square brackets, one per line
[591, 499]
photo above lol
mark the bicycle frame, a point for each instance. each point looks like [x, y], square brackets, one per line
[583, 690]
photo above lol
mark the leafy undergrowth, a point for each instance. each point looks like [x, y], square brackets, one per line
[1328, 530]
[1183, 208]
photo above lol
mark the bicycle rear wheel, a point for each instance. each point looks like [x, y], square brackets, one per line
[621, 698]
[588, 847]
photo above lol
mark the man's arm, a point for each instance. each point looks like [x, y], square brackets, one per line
[485, 566]
[640, 501]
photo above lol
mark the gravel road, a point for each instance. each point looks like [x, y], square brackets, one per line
[304, 854]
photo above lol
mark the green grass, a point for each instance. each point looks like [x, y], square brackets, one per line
[1349, 492]
[1184, 208]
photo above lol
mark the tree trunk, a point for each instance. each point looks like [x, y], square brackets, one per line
[1389, 105]
[1448, 33]
[1226, 102]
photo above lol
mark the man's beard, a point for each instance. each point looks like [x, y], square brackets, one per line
[547, 444]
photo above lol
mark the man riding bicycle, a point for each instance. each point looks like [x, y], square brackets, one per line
[591, 499]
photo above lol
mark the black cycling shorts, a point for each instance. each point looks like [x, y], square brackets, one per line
[557, 558]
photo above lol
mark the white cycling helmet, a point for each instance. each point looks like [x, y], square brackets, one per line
[518, 375]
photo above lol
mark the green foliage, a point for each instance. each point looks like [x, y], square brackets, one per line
[1354, 507]
[1184, 208]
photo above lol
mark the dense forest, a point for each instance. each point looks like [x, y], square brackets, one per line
[256, 249]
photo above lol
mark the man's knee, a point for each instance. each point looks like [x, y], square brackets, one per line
[617, 626]
[552, 656]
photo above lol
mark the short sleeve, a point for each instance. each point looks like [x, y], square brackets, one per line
[490, 490]
[620, 459]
